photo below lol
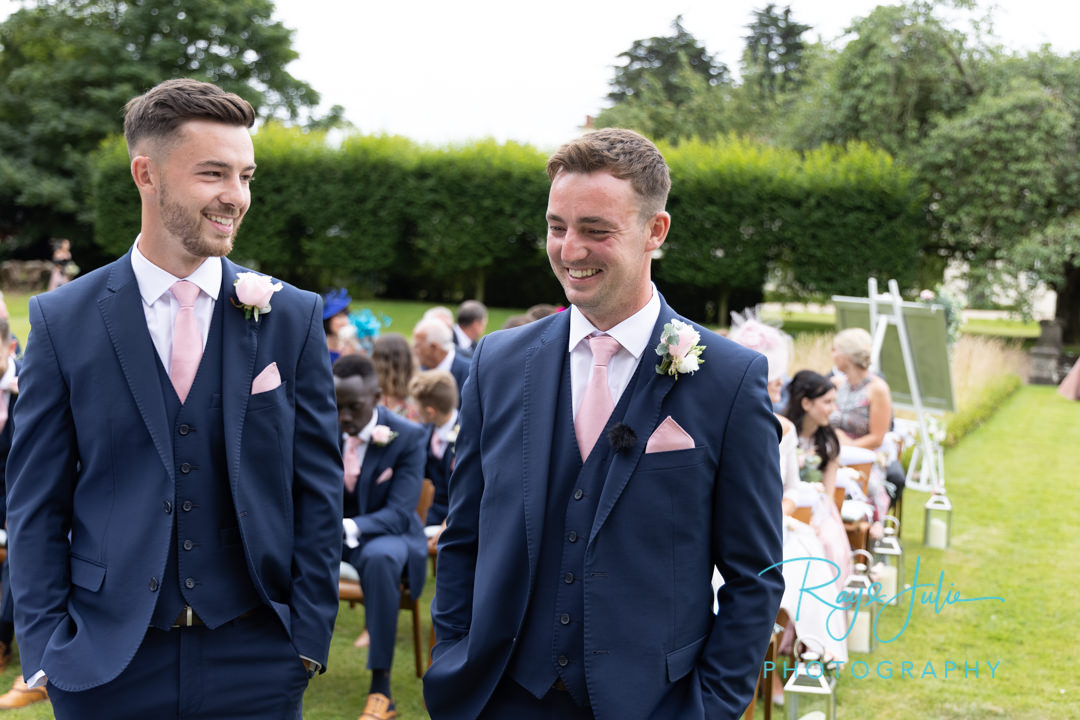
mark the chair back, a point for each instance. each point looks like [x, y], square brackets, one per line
[427, 496]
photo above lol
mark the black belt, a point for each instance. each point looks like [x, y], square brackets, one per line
[188, 618]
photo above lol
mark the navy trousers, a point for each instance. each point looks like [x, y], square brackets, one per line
[380, 563]
[247, 668]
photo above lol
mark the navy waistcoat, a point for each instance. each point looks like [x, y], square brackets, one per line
[205, 568]
[551, 644]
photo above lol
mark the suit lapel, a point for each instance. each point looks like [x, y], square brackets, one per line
[239, 341]
[121, 309]
[543, 370]
[642, 415]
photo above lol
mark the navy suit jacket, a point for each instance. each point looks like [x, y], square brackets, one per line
[662, 521]
[459, 368]
[91, 473]
[389, 507]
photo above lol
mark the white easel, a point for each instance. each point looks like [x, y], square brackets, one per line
[928, 458]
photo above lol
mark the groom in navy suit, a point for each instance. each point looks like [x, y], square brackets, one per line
[174, 486]
[598, 481]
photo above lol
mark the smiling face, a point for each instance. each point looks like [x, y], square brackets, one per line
[355, 401]
[196, 190]
[600, 246]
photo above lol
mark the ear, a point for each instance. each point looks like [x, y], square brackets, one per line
[144, 173]
[806, 404]
[656, 229]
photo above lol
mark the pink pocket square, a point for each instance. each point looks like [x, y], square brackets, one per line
[669, 436]
[384, 476]
[267, 380]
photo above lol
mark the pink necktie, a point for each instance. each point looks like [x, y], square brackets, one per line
[596, 403]
[186, 341]
[3, 411]
[352, 461]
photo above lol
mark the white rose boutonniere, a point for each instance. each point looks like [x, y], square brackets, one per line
[253, 293]
[382, 435]
[679, 350]
[451, 437]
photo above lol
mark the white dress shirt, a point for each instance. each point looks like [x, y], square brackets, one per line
[160, 306]
[352, 530]
[634, 334]
[447, 362]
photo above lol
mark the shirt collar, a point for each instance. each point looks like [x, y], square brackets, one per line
[447, 362]
[634, 333]
[155, 282]
[447, 427]
[365, 432]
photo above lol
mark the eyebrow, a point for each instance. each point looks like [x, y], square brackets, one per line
[221, 164]
[590, 220]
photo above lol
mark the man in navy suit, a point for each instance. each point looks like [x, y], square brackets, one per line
[433, 345]
[174, 481]
[593, 495]
[384, 538]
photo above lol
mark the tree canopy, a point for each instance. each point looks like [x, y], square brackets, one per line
[67, 67]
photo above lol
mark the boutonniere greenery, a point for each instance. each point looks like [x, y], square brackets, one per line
[382, 435]
[253, 293]
[679, 350]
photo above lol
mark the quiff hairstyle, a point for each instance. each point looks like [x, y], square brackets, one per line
[159, 112]
[434, 388]
[625, 154]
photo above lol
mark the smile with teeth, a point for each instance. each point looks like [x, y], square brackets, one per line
[581, 273]
[220, 220]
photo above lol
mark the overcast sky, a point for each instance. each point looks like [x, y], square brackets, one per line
[442, 72]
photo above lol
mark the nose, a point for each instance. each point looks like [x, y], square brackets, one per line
[235, 192]
[573, 247]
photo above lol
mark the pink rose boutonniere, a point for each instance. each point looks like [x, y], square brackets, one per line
[253, 293]
[679, 350]
[382, 435]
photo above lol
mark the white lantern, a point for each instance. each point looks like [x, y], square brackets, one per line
[937, 532]
[860, 616]
[810, 691]
[889, 553]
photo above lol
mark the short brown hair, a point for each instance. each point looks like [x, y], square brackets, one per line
[434, 388]
[625, 154]
[157, 113]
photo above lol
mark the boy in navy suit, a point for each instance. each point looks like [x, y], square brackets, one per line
[384, 540]
[436, 396]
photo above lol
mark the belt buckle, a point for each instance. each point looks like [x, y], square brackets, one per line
[186, 618]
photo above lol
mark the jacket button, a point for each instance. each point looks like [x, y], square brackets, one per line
[565, 618]
[563, 661]
[188, 544]
[167, 506]
[153, 584]
[578, 494]
[184, 429]
[185, 468]
[572, 537]
[568, 578]
[189, 583]
[186, 507]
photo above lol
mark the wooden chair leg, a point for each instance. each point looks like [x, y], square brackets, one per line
[418, 639]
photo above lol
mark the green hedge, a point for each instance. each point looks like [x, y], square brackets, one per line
[384, 215]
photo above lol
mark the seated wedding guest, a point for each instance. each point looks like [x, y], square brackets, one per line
[440, 312]
[335, 320]
[776, 346]
[395, 367]
[812, 398]
[433, 343]
[863, 413]
[384, 540]
[472, 318]
[436, 396]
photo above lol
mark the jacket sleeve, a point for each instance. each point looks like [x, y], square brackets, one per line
[41, 474]
[451, 610]
[317, 499]
[746, 539]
